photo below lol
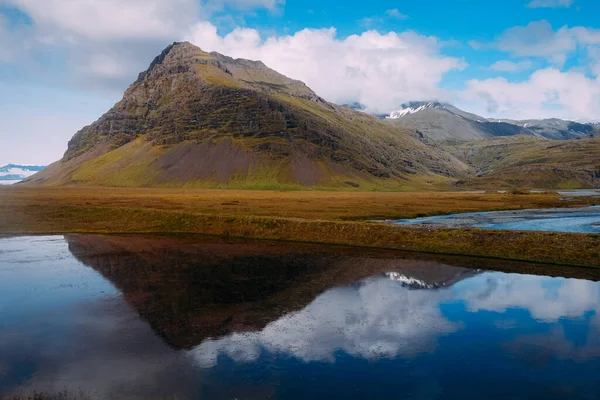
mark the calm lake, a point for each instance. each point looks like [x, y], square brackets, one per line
[201, 318]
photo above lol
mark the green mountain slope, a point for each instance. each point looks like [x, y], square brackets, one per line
[522, 161]
[197, 119]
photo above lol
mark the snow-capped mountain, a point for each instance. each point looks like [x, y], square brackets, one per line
[410, 282]
[443, 122]
[413, 107]
[13, 173]
[431, 279]
[554, 128]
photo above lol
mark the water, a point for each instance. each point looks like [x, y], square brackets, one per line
[9, 182]
[189, 317]
[577, 220]
[580, 193]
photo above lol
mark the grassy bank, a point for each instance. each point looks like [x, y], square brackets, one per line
[320, 217]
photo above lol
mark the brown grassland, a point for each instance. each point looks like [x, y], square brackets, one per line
[319, 217]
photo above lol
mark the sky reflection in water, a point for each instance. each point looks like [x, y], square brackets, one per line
[575, 220]
[74, 315]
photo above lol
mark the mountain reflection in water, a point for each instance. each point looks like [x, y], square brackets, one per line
[243, 319]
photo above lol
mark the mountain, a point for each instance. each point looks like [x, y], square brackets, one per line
[556, 129]
[444, 122]
[198, 119]
[355, 106]
[361, 107]
[442, 281]
[521, 161]
[14, 172]
[191, 289]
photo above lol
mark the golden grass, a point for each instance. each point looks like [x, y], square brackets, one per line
[319, 217]
[312, 205]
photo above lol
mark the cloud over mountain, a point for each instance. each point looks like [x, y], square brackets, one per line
[378, 70]
[551, 91]
[546, 93]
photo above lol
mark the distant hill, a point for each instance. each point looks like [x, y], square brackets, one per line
[524, 161]
[444, 122]
[14, 172]
[197, 119]
[556, 129]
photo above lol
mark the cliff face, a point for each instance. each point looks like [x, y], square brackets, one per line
[204, 119]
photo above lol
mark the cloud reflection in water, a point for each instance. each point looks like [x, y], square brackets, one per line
[379, 318]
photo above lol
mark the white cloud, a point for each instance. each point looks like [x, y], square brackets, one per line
[510, 66]
[395, 13]
[109, 41]
[124, 19]
[376, 318]
[109, 19]
[546, 299]
[539, 39]
[547, 93]
[594, 56]
[550, 3]
[378, 70]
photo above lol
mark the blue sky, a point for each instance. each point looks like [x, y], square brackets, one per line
[63, 63]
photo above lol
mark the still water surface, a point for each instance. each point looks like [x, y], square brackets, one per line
[576, 220]
[140, 317]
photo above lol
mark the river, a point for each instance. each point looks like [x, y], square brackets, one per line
[578, 220]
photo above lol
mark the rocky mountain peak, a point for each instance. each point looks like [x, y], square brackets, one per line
[414, 107]
[181, 53]
[220, 70]
[208, 119]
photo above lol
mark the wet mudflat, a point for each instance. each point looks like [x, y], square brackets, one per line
[191, 317]
[577, 220]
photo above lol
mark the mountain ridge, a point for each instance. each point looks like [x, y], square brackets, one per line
[204, 120]
[18, 172]
[207, 120]
[436, 121]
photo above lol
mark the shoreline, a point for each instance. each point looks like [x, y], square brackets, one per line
[277, 216]
[561, 249]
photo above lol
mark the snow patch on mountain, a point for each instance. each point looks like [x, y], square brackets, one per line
[410, 282]
[14, 173]
[414, 107]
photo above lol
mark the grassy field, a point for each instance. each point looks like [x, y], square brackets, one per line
[320, 217]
